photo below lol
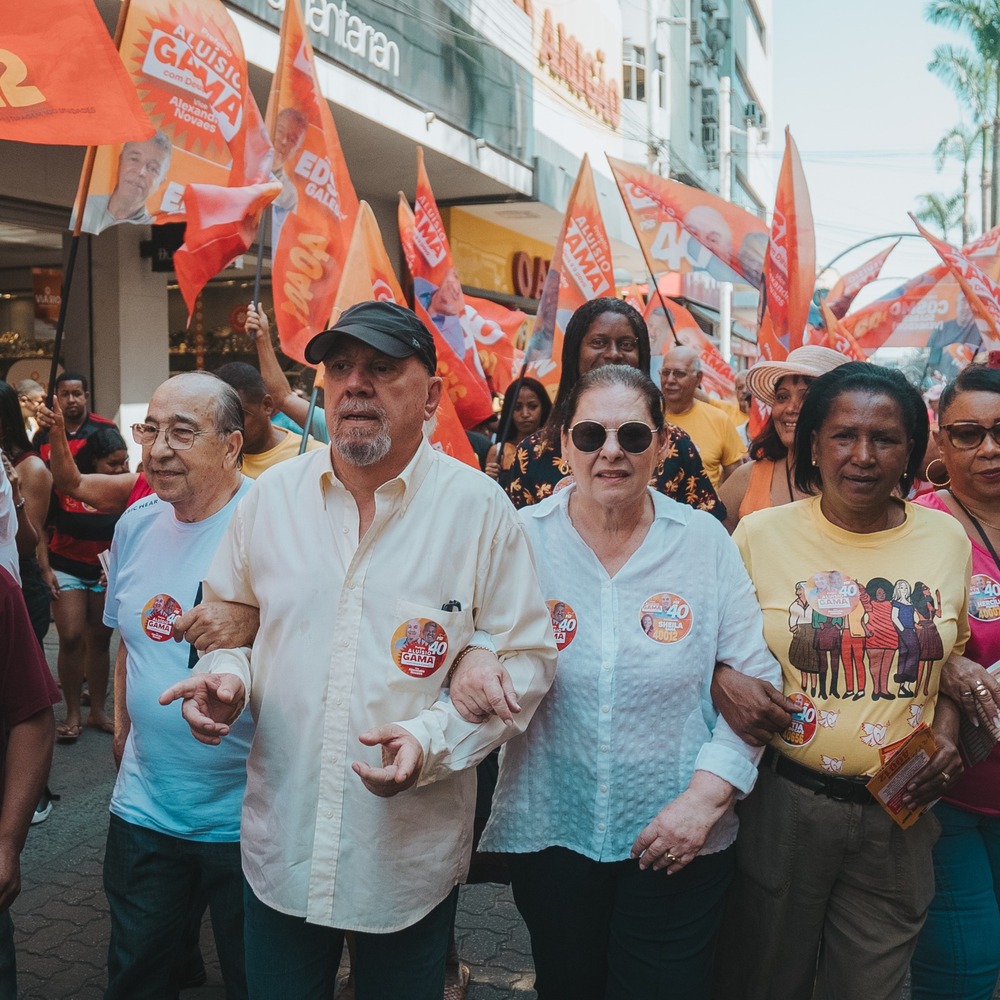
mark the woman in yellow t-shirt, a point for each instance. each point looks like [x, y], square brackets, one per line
[831, 893]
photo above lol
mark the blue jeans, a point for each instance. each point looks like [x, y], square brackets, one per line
[289, 959]
[151, 881]
[8, 964]
[958, 951]
[610, 931]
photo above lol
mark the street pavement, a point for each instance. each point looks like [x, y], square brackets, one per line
[61, 917]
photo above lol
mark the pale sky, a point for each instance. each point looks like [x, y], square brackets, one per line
[851, 80]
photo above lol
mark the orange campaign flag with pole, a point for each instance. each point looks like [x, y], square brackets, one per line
[846, 288]
[313, 217]
[790, 262]
[466, 386]
[62, 81]
[368, 275]
[838, 336]
[495, 328]
[581, 270]
[981, 291]
[681, 228]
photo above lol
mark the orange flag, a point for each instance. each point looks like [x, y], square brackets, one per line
[681, 228]
[839, 337]
[313, 217]
[847, 287]
[790, 263]
[495, 328]
[368, 275]
[62, 81]
[466, 386]
[581, 270]
[981, 291]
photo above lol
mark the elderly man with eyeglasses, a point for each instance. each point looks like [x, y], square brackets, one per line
[175, 811]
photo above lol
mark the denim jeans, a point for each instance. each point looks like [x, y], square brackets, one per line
[610, 930]
[290, 959]
[958, 951]
[151, 881]
[8, 965]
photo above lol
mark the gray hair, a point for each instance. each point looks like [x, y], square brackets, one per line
[227, 410]
[27, 386]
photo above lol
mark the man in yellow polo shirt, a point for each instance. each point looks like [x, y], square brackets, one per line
[714, 434]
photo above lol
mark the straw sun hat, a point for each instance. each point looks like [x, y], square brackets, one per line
[810, 361]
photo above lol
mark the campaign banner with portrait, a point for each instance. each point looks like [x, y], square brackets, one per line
[368, 276]
[62, 81]
[313, 217]
[581, 270]
[186, 61]
[682, 229]
[790, 261]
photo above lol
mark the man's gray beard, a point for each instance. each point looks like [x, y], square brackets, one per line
[364, 451]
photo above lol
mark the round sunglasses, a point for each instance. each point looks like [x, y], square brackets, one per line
[633, 436]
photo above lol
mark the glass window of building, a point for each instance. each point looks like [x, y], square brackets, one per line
[633, 72]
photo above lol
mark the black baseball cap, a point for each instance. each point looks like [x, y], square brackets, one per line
[389, 328]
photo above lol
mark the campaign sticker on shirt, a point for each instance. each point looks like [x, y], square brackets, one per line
[802, 728]
[564, 622]
[665, 618]
[419, 647]
[158, 616]
[833, 594]
[984, 598]
[562, 484]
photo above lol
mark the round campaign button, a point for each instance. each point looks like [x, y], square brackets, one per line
[563, 483]
[984, 598]
[564, 623]
[665, 618]
[419, 647]
[833, 594]
[158, 616]
[802, 728]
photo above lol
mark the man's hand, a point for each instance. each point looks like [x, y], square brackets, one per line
[256, 322]
[10, 874]
[754, 709]
[50, 419]
[402, 759]
[481, 687]
[218, 625]
[966, 683]
[212, 702]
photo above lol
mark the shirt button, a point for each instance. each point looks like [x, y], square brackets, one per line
[600, 826]
[604, 788]
[605, 708]
[343, 640]
[604, 748]
[605, 666]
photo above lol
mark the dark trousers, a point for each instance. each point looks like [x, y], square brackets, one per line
[8, 962]
[290, 959]
[610, 931]
[151, 881]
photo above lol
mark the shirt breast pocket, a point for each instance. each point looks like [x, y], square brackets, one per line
[425, 642]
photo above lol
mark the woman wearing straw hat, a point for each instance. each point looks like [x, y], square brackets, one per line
[769, 479]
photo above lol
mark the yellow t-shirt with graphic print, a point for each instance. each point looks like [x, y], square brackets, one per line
[793, 552]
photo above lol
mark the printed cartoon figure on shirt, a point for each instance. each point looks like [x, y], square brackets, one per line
[927, 608]
[882, 637]
[802, 653]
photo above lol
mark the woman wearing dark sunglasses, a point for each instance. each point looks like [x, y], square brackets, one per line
[957, 955]
[604, 331]
[615, 807]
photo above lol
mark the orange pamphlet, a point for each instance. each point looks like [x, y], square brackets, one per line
[889, 783]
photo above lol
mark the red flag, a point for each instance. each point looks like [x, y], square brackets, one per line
[981, 291]
[681, 228]
[847, 287]
[790, 264]
[62, 81]
[581, 270]
[368, 275]
[839, 337]
[466, 387]
[313, 217]
[495, 328]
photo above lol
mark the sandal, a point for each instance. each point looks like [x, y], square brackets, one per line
[68, 734]
[456, 981]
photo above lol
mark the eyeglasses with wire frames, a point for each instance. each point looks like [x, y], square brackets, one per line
[968, 434]
[633, 436]
[175, 438]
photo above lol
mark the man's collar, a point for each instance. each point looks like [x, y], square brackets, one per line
[408, 480]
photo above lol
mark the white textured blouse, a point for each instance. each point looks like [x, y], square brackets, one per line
[629, 718]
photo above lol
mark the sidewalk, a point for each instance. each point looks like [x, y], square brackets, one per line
[61, 916]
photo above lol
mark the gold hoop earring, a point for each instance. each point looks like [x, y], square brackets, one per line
[930, 478]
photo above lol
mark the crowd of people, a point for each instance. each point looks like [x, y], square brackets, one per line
[689, 721]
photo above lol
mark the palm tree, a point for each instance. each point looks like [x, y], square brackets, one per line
[960, 143]
[941, 210]
[981, 20]
[972, 81]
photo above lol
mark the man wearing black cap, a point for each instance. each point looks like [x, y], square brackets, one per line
[360, 780]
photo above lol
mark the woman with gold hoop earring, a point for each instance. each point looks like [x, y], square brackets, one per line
[956, 955]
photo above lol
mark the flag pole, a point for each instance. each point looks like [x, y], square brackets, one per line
[261, 235]
[309, 419]
[666, 311]
[78, 205]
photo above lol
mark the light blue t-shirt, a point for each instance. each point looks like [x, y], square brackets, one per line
[168, 781]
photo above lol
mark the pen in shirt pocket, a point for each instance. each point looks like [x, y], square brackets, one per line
[452, 606]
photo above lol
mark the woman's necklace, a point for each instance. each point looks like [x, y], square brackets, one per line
[978, 525]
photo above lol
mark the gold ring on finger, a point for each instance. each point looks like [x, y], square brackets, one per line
[672, 858]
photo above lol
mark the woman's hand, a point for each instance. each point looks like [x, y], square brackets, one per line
[51, 581]
[945, 766]
[966, 683]
[679, 830]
